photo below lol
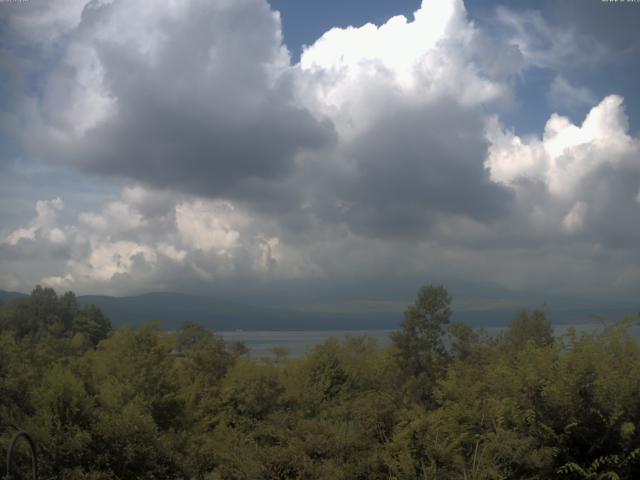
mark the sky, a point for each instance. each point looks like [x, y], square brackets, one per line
[289, 151]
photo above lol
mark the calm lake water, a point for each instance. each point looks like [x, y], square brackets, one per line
[260, 343]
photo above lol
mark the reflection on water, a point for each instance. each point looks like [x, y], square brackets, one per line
[261, 343]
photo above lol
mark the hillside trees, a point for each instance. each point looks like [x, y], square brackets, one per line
[529, 327]
[149, 404]
[44, 314]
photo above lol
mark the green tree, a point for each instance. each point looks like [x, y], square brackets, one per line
[44, 314]
[91, 323]
[529, 327]
[464, 339]
[421, 352]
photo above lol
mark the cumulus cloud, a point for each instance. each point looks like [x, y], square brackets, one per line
[567, 153]
[116, 217]
[123, 247]
[41, 226]
[430, 56]
[203, 100]
[381, 154]
[407, 98]
[198, 98]
[589, 173]
[207, 226]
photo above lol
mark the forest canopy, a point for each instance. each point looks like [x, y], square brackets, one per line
[442, 401]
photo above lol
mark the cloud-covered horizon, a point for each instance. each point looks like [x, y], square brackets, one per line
[383, 152]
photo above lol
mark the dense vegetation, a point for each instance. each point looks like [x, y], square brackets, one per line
[443, 401]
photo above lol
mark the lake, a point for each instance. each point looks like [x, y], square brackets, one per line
[260, 343]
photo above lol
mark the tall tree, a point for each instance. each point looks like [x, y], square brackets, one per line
[420, 350]
[529, 327]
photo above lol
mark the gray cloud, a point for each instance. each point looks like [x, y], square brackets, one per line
[414, 165]
[613, 214]
[577, 183]
[199, 100]
[203, 101]
[360, 165]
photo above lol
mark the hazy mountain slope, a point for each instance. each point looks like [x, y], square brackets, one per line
[6, 297]
[171, 309]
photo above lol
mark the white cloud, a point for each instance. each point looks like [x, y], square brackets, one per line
[111, 258]
[172, 252]
[125, 247]
[397, 47]
[59, 282]
[21, 234]
[381, 153]
[207, 225]
[47, 210]
[57, 236]
[566, 153]
[576, 179]
[350, 74]
[46, 216]
[116, 217]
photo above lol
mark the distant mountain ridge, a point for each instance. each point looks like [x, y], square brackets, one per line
[6, 297]
[172, 309]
